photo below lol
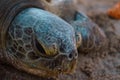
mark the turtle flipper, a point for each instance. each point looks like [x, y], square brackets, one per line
[93, 38]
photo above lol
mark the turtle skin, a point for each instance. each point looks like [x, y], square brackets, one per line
[40, 43]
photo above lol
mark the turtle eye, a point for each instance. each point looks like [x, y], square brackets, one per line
[49, 52]
[39, 47]
[78, 39]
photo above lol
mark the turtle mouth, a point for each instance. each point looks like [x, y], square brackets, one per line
[44, 67]
[61, 65]
[68, 67]
[47, 67]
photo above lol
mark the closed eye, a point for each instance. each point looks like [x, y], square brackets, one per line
[52, 51]
[39, 47]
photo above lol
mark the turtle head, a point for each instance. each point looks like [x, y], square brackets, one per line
[41, 43]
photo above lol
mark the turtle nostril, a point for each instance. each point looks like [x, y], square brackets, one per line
[73, 55]
[76, 55]
[70, 56]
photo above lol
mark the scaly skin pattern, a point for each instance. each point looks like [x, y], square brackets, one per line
[41, 43]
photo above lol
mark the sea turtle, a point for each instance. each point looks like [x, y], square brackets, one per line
[41, 43]
[34, 40]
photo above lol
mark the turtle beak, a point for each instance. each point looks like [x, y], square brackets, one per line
[67, 62]
[72, 59]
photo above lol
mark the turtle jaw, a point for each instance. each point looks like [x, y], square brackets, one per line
[59, 65]
[47, 67]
